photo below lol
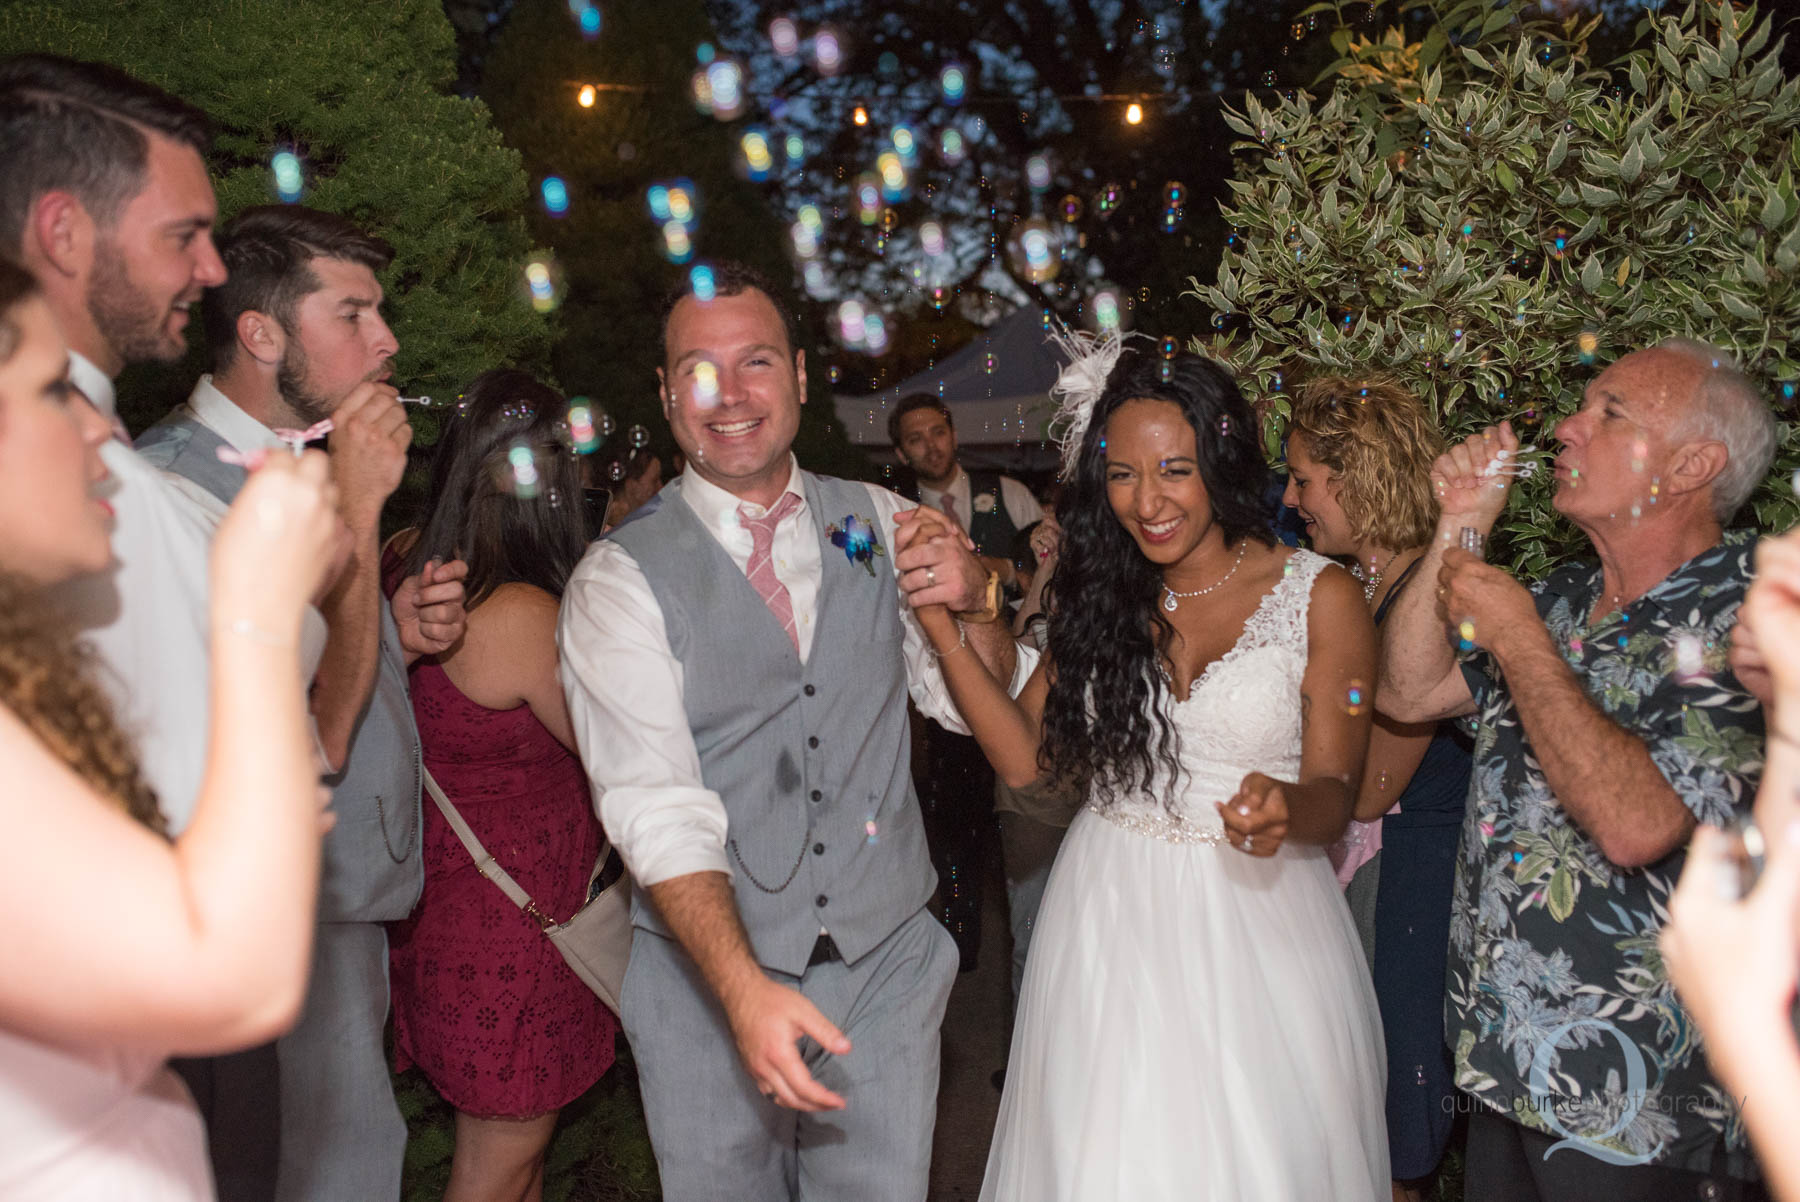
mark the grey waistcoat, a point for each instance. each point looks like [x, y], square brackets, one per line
[813, 761]
[373, 870]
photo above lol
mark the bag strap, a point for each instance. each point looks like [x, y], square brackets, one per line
[485, 863]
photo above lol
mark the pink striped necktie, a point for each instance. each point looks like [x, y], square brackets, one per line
[949, 503]
[761, 568]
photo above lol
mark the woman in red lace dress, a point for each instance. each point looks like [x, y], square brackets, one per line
[483, 1003]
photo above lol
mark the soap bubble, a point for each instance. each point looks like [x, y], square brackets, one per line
[784, 36]
[543, 282]
[828, 51]
[706, 386]
[522, 464]
[851, 318]
[1037, 172]
[678, 244]
[290, 181]
[906, 143]
[868, 198]
[892, 169]
[555, 194]
[582, 434]
[758, 158]
[931, 238]
[1356, 698]
[1105, 310]
[1108, 200]
[1587, 344]
[953, 81]
[1032, 250]
[638, 437]
[726, 79]
[701, 281]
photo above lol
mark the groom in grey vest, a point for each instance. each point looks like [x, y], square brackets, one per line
[737, 658]
[286, 355]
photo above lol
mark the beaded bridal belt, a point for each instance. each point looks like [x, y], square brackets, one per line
[1161, 826]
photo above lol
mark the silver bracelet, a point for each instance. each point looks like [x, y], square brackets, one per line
[962, 640]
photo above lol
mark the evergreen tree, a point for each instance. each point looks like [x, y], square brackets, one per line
[641, 129]
[358, 93]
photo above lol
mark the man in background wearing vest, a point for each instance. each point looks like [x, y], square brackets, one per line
[297, 337]
[737, 657]
[957, 793]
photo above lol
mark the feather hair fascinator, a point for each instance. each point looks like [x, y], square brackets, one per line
[1091, 358]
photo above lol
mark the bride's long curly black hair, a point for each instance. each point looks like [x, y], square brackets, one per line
[1103, 718]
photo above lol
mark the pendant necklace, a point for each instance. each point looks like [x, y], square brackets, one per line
[1371, 580]
[1170, 601]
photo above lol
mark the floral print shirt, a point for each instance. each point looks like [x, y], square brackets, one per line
[1559, 1011]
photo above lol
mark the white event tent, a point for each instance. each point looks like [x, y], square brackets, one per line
[997, 387]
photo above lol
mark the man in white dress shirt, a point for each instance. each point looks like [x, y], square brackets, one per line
[104, 197]
[737, 657]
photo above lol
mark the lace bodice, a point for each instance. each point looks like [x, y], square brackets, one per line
[1241, 715]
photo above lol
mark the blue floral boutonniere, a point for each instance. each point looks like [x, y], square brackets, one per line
[857, 539]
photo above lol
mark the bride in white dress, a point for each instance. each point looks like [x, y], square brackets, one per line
[1197, 1020]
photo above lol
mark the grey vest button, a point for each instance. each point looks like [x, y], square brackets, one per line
[812, 740]
[822, 901]
[818, 849]
[817, 796]
[809, 690]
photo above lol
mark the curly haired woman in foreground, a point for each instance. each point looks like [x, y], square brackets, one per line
[137, 947]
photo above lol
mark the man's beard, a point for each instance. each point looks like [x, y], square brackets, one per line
[125, 315]
[291, 379]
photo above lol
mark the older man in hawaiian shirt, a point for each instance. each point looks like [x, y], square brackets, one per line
[1608, 726]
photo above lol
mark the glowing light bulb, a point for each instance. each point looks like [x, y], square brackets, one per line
[860, 116]
[585, 98]
[1134, 113]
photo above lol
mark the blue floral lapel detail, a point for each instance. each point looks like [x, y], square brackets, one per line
[856, 538]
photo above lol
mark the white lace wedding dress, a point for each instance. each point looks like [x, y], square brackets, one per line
[1195, 1022]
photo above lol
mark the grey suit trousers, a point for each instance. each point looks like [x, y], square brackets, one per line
[342, 1137]
[718, 1140]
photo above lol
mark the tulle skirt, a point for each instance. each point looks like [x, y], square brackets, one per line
[1195, 1023]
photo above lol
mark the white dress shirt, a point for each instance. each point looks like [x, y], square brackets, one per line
[243, 433]
[1021, 506]
[624, 684]
[147, 617]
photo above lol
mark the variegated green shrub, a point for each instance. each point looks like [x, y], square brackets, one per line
[1489, 216]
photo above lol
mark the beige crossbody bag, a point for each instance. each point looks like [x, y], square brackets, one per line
[596, 942]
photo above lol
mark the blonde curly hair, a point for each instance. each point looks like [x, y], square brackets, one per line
[1378, 440]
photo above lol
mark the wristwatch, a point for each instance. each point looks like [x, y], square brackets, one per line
[990, 610]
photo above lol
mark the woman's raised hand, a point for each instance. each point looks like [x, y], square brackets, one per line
[275, 547]
[1468, 485]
